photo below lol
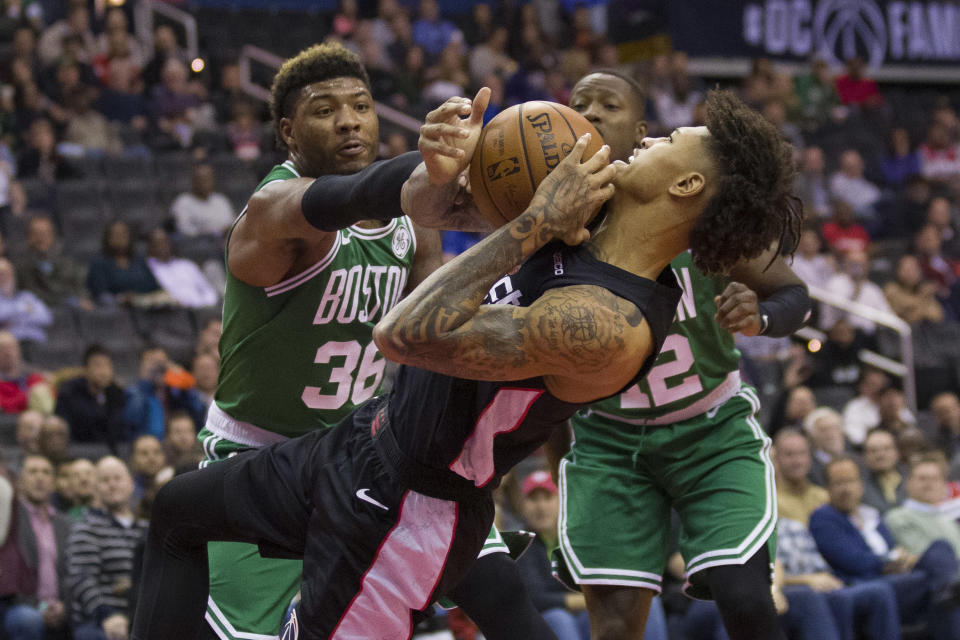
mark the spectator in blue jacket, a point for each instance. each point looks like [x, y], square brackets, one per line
[856, 543]
[119, 273]
[152, 396]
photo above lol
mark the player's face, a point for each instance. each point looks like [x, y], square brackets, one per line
[334, 128]
[659, 163]
[609, 104]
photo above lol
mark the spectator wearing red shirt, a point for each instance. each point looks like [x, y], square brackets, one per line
[843, 234]
[856, 89]
[928, 244]
[15, 384]
[940, 154]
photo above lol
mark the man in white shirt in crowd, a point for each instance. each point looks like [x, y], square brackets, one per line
[921, 519]
[179, 277]
[852, 284]
[849, 185]
[202, 211]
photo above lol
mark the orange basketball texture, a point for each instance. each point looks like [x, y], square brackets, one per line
[516, 151]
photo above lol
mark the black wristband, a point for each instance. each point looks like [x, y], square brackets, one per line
[784, 311]
[337, 201]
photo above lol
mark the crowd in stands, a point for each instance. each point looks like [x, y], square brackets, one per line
[121, 170]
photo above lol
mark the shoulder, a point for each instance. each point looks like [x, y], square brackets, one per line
[823, 514]
[897, 515]
[817, 491]
[73, 385]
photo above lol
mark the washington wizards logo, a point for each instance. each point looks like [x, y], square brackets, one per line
[845, 28]
[401, 242]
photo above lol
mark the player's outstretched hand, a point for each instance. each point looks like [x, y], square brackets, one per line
[449, 135]
[574, 191]
[738, 310]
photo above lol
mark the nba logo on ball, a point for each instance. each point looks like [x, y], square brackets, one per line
[401, 242]
[503, 168]
[291, 630]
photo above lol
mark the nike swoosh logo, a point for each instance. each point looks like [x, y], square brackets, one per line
[362, 494]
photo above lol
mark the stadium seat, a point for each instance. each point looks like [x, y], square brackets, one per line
[8, 431]
[834, 397]
[122, 168]
[171, 328]
[203, 316]
[111, 327]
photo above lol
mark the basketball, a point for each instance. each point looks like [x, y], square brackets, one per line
[516, 151]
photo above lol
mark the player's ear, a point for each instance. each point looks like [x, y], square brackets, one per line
[640, 133]
[688, 184]
[286, 133]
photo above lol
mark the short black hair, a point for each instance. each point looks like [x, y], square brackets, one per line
[95, 350]
[314, 64]
[754, 205]
[638, 90]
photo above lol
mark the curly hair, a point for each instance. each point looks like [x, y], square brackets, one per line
[754, 205]
[314, 64]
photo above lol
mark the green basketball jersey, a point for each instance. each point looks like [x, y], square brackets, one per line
[698, 366]
[299, 355]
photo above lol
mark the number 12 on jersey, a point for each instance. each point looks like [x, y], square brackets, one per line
[353, 382]
[634, 398]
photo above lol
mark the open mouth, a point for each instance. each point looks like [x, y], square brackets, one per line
[353, 148]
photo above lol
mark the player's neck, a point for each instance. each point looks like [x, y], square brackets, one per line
[644, 239]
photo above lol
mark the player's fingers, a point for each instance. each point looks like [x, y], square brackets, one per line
[439, 129]
[734, 287]
[598, 160]
[603, 176]
[453, 106]
[436, 147]
[732, 302]
[480, 103]
[576, 154]
[604, 193]
[735, 315]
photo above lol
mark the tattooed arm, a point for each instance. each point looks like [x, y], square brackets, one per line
[574, 336]
[434, 194]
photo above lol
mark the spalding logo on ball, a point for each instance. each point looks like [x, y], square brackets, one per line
[516, 151]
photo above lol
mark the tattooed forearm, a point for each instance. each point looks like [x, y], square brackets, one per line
[452, 295]
[432, 318]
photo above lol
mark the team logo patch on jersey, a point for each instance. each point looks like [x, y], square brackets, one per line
[401, 242]
[291, 630]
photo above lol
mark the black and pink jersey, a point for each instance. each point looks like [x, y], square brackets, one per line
[479, 430]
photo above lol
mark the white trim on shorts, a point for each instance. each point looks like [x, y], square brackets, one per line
[222, 626]
[765, 528]
[580, 573]
[221, 424]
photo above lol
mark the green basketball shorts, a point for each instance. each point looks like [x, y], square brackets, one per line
[249, 594]
[619, 482]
